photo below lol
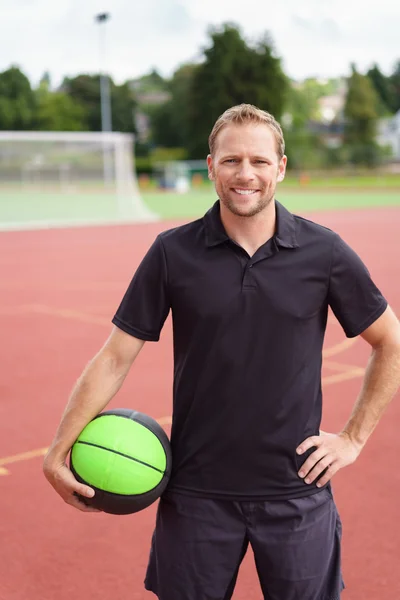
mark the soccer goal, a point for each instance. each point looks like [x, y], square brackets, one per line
[50, 179]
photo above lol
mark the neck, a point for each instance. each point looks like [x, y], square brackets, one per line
[250, 232]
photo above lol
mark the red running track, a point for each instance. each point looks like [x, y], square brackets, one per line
[59, 290]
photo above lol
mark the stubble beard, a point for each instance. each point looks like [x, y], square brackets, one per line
[265, 198]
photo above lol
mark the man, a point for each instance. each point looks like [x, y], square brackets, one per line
[249, 286]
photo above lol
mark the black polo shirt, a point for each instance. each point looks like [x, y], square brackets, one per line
[248, 335]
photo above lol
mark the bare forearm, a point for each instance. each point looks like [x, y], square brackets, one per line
[332, 452]
[97, 385]
[381, 382]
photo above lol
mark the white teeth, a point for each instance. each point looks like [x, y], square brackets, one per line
[245, 192]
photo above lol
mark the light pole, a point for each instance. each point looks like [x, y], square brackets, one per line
[105, 99]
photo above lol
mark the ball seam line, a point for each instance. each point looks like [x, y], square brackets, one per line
[121, 454]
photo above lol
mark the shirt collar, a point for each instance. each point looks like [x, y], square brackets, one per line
[285, 235]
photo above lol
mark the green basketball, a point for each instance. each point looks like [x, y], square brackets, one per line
[125, 456]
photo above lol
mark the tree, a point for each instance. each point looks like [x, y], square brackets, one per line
[17, 101]
[85, 90]
[151, 82]
[56, 111]
[302, 104]
[123, 108]
[395, 81]
[233, 72]
[361, 116]
[384, 89]
[170, 121]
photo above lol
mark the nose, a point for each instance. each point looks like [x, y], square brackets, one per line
[245, 171]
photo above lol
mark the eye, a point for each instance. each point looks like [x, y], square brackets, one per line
[261, 162]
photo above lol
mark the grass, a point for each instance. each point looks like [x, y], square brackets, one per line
[171, 206]
[20, 206]
[334, 180]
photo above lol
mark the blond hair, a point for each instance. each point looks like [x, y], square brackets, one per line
[247, 113]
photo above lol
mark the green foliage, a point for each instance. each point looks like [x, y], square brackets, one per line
[361, 113]
[170, 121]
[334, 158]
[367, 154]
[384, 89]
[302, 105]
[7, 114]
[17, 102]
[85, 91]
[395, 81]
[145, 164]
[304, 150]
[233, 73]
[164, 131]
[303, 101]
[123, 108]
[56, 111]
[168, 154]
[151, 82]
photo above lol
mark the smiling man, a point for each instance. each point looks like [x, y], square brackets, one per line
[249, 286]
[249, 161]
[246, 162]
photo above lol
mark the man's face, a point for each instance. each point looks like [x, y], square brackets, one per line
[245, 168]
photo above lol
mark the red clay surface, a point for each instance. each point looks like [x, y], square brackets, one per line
[59, 290]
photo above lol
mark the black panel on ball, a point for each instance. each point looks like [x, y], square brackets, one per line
[119, 504]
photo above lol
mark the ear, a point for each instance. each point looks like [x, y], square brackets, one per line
[282, 169]
[210, 167]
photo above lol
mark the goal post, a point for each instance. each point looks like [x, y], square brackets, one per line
[68, 178]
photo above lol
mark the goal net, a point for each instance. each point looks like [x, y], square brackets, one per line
[68, 178]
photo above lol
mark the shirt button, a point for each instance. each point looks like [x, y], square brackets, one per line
[251, 266]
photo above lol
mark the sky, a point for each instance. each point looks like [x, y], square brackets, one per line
[314, 38]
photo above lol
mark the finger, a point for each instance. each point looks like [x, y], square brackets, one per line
[321, 466]
[315, 440]
[66, 484]
[330, 472]
[76, 502]
[76, 486]
[311, 461]
[83, 490]
[74, 489]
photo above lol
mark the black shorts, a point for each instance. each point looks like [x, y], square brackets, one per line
[198, 545]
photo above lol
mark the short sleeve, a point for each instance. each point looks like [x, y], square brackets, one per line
[352, 295]
[145, 305]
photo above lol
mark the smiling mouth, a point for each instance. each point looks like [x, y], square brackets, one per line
[244, 192]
